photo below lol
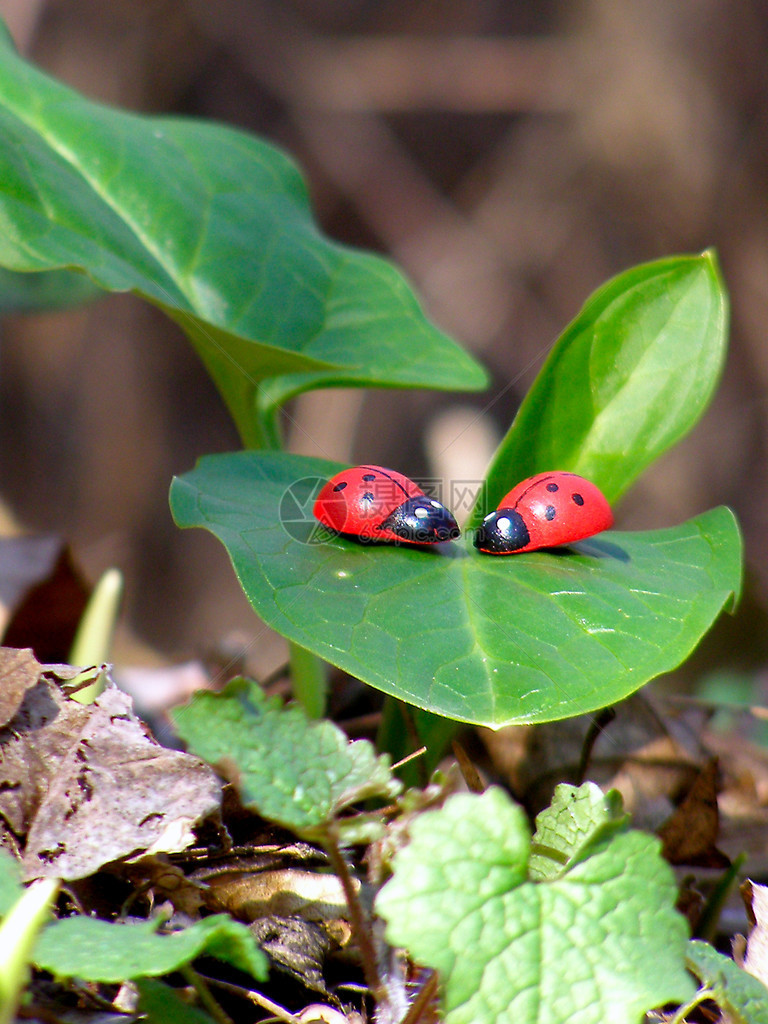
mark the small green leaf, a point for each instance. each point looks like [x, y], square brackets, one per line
[291, 770]
[627, 379]
[18, 932]
[567, 830]
[528, 638]
[602, 942]
[93, 950]
[737, 993]
[10, 881]
[214, 227]
[160, 1004]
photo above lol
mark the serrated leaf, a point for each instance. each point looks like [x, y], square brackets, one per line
[93, 950]
[627, 379]
[603, 942]
[291, 770]
[214, 227]
[530, 638]
[742, 997]
[577, 819]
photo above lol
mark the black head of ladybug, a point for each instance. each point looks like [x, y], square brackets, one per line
[501, 532]
[421, 520]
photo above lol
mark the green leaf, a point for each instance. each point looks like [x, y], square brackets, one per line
[627, 379]
[93, 950]
[18, 932]
[213, 226]
[602, 942]
[737, 993]
[568, 830]
[528, 638]
[291, 770]
[160, 1004]
[10, 881]
[57, 289]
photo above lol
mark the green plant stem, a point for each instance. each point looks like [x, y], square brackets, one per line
[262, 430]
[204, 995]
[701, 996]
[404, 729]
[706, 926]
[310, 680]
[357, 919]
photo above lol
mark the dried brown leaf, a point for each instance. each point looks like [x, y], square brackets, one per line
[756, 955]
[87, 785]
[19, 672]
[42, 595]
[690, 833]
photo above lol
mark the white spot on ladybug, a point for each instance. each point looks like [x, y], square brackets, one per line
[434, 504]
[421, 512]
[503, 523]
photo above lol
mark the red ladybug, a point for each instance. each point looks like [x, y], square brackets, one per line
[370, 503]
[542, 512]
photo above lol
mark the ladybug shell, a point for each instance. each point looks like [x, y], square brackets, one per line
[544, 511]
[371, 504]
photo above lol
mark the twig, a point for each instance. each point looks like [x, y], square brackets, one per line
[256, 997]
[467, 768]
[357, 919]
[422, 1000]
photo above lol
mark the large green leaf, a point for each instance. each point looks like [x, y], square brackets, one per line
[626, 380]
[213, 226]
[600, 942]
[493, 640]
[56, 289]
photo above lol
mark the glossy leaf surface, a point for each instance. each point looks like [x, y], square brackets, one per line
[531, 637]
[213, 226]
[627, 379]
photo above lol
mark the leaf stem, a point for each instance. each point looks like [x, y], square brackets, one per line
[701, 996]
[310, 680]
[357, 919]
[204, 995]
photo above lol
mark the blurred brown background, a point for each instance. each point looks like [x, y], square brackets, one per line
[510, 156]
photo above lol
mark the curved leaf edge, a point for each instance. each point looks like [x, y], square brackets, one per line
[726, 601]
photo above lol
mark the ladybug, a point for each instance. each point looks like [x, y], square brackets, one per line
[544, 511]
[370, 503]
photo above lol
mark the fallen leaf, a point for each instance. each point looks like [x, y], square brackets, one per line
[42, 595]
[756, 955]
[19, 672]
[690, 833]
[87, 785]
